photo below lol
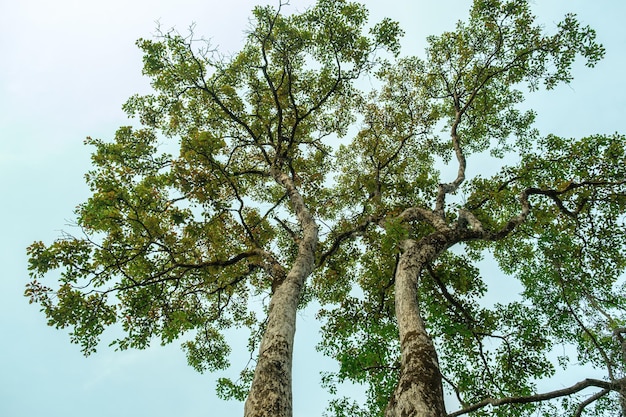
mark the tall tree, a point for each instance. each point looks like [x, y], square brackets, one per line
[554, 221]
[176, 244]
[179, 243]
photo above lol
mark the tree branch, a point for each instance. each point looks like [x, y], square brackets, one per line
[581, 407]
[586, 383]
[460, 156]
[431, 217]
[514, 221]
[346, 235]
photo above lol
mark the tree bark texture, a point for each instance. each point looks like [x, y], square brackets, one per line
[271, 392]
[419, 392]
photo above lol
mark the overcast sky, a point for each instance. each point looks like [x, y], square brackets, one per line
[66, 67]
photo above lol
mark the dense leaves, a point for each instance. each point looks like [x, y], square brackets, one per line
[555, 221]
[181, 237]
[211, 210]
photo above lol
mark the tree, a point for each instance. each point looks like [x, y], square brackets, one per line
[178, 243]
[554, 221]
[184, 243]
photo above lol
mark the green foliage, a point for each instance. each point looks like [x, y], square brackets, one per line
[175, 243]
[365, 343]
[555, 221]
[178, 243]
[238, 390]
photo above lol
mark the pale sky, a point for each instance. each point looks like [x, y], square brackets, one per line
[66, 68]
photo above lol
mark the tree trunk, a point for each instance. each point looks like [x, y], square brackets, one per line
[270, 394]
[419, 391]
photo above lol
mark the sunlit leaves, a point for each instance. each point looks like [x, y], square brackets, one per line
[188, 217]
[557, 217]
[177, 237]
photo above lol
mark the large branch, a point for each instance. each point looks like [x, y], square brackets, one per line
[595, 397]
[166, 274]
[587, 383]
[554, 196]
[435, 219]
[451, 187]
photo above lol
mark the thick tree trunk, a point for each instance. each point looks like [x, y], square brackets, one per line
[270, 394]
[419, 392]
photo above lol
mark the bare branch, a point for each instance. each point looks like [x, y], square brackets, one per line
[451, 187]
[457, 392]
[584, 384]
[581, 407]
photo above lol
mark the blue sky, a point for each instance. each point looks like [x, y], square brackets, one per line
[66, 68]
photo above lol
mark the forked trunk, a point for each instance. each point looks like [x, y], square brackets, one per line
[271, 394]
[419, 392]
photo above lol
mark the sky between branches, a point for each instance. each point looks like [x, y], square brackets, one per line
[66, 67]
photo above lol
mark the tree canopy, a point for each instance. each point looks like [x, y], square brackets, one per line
[273, 174]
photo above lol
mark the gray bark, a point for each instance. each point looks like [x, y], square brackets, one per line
[271, 392]
[419, 391]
